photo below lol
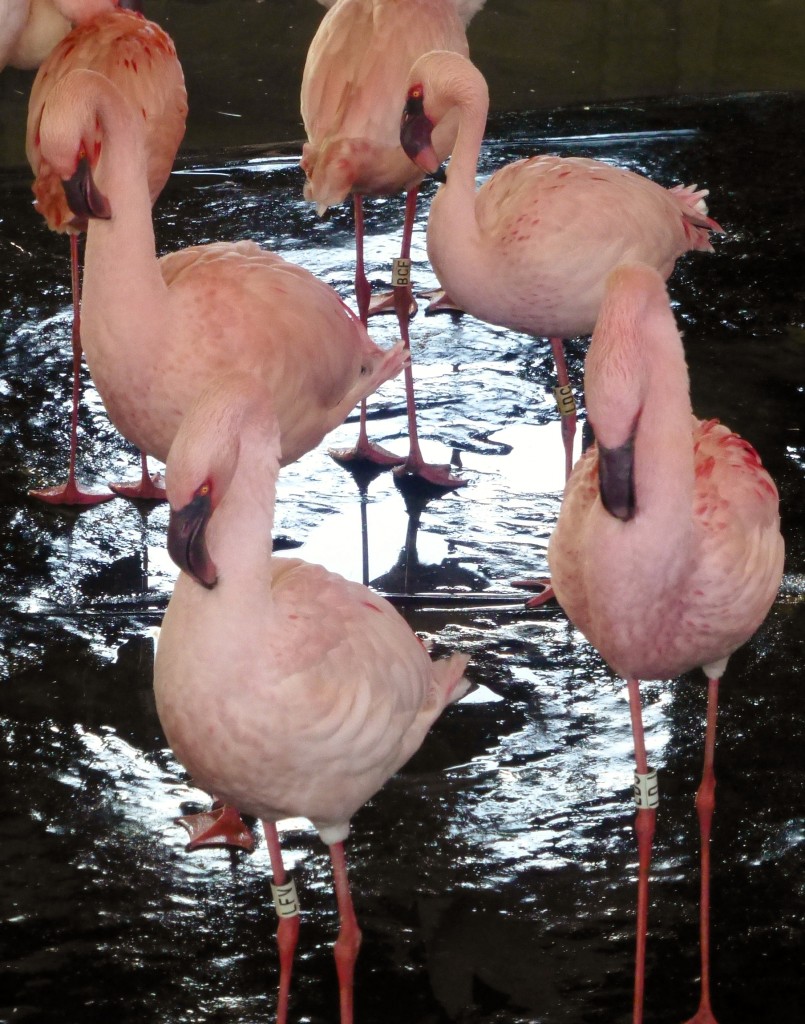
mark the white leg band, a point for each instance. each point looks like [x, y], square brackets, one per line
[400, 272]
[646, 793]
[286, 902]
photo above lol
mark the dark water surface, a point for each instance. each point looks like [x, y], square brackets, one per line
[494, 878]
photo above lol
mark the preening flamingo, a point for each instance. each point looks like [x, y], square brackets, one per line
[140, 58]
[352, 89]
[157, 330]
[29, 29]
[531, 249]
[667, 554]
[283, 688]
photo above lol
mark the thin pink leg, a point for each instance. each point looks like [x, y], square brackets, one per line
[364, 448]
[566, 403]
[287, 909]
[415, 465]
[349, 936]
[644, 827]
[70, 492]
[705, 804]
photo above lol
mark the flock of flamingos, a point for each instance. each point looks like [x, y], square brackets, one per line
[286, 690]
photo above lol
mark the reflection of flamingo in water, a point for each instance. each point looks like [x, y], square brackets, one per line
[667, 554]
[532, 248]
[282, 687]
[141, 60]
[352, 91]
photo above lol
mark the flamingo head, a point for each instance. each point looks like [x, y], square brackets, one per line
[70, 138]
[229, 431]
[416, 131]
[82, 194]
[187, 544]
[616, 479]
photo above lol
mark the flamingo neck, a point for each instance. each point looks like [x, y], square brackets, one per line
[638, 382]
[124, 294]
[454, 238]
[239, 532]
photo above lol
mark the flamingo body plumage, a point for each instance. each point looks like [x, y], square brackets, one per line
[282, 687]
[157, 330]
[667, 554]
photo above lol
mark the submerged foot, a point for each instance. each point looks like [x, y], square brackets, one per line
[545, 591]
[71, 493]
[222, 825]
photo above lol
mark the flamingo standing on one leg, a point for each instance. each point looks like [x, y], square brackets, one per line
[532, 248]
[667, 554]
[282, 687]
[352, 87]
[140, 58]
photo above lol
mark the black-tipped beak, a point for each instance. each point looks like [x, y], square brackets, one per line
[83, 196]
[616, 479]
[186, 542]
[416, 129]
[131, 5]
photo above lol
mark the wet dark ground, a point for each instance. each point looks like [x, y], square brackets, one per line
[494, 877]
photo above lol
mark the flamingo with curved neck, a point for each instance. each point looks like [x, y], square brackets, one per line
[157, 330]
[532, 248]
[141, 60]
[285, 689]
[667, 554]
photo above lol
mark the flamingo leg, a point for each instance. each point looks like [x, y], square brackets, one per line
[644, 827]
[364, 450]
[287, 908]
[439, 476]
[566, 403]
[349, 936]
[70, 492]
[705, 804]
[147, 488]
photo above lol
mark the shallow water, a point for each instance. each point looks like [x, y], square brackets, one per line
[494, 876]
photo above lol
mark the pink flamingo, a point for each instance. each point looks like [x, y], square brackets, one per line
[29, 29]
[157, 330]
[282, 687]
[667, 554]
[352, 87]
[532, 248]
[141, 60]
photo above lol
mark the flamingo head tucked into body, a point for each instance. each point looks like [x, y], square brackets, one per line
[230, 427]
[71, 136]
[622, 359]
[439, 82]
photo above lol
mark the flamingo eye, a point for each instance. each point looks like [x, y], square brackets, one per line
[204, 490]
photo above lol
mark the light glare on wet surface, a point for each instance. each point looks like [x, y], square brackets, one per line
[494, 877]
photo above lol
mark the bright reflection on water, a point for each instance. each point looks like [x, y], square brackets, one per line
[494, 876]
